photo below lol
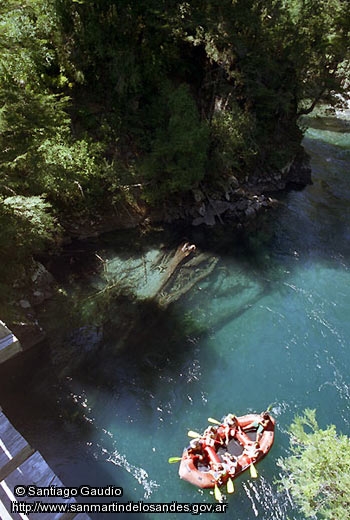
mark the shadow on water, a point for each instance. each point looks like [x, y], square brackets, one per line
[108, 335]
[40, 407]
[124, 349]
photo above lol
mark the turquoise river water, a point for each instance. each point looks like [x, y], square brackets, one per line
[269, 325]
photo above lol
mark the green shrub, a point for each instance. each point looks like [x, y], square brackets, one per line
[27, 227]
[317, 473]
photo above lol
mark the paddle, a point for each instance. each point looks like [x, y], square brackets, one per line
[214, 421]
[230, 486]
[172, 460]
[217, 493]
[253, 472]
[193, 434]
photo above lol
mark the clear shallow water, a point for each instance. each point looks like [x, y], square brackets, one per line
[270, 324]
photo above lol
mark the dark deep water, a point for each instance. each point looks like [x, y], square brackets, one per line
[270, 324]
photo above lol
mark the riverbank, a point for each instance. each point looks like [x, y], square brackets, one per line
[235, 205]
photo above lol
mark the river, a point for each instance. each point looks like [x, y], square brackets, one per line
[268, 326]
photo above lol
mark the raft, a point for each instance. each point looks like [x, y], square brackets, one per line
[225, 451]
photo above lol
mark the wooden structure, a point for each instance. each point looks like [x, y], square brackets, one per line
[21, 465]
[9, 344]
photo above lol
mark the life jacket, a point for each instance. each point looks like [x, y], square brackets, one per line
[221, 432]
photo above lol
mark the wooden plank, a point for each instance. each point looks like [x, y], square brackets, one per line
[76, 516]
[10, 350]
[9, 344]
[4, 514]
[6, 497]
[11, 442]
[68, 516]
[7, 340]
[4, 331]
[35, 471]
[16, 461]
[19, 464]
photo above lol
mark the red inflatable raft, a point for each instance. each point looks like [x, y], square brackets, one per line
[226, 450]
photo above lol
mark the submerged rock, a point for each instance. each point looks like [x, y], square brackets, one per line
[24, 304]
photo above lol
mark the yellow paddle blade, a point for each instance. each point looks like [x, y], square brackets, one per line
[193, 434]
[214, 421]
[230, 486]
[217, 493]
[253, 472]
[172, 460]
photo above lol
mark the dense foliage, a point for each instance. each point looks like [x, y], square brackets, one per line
[317, 473]
[99, 95]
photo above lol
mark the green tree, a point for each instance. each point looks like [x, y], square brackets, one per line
[177, 92]
[317, 473]
[320, 51]
[277, 59]
[39, 154]
[27, 227]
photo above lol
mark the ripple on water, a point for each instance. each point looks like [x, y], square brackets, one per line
[266, 501]
[138, 473]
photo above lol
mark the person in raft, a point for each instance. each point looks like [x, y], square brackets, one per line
[218, 470]
[196, 450]
[260, 425]
[230, 463]
[252, 451]
[196, 444]
[211, 437]
[228, 428]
